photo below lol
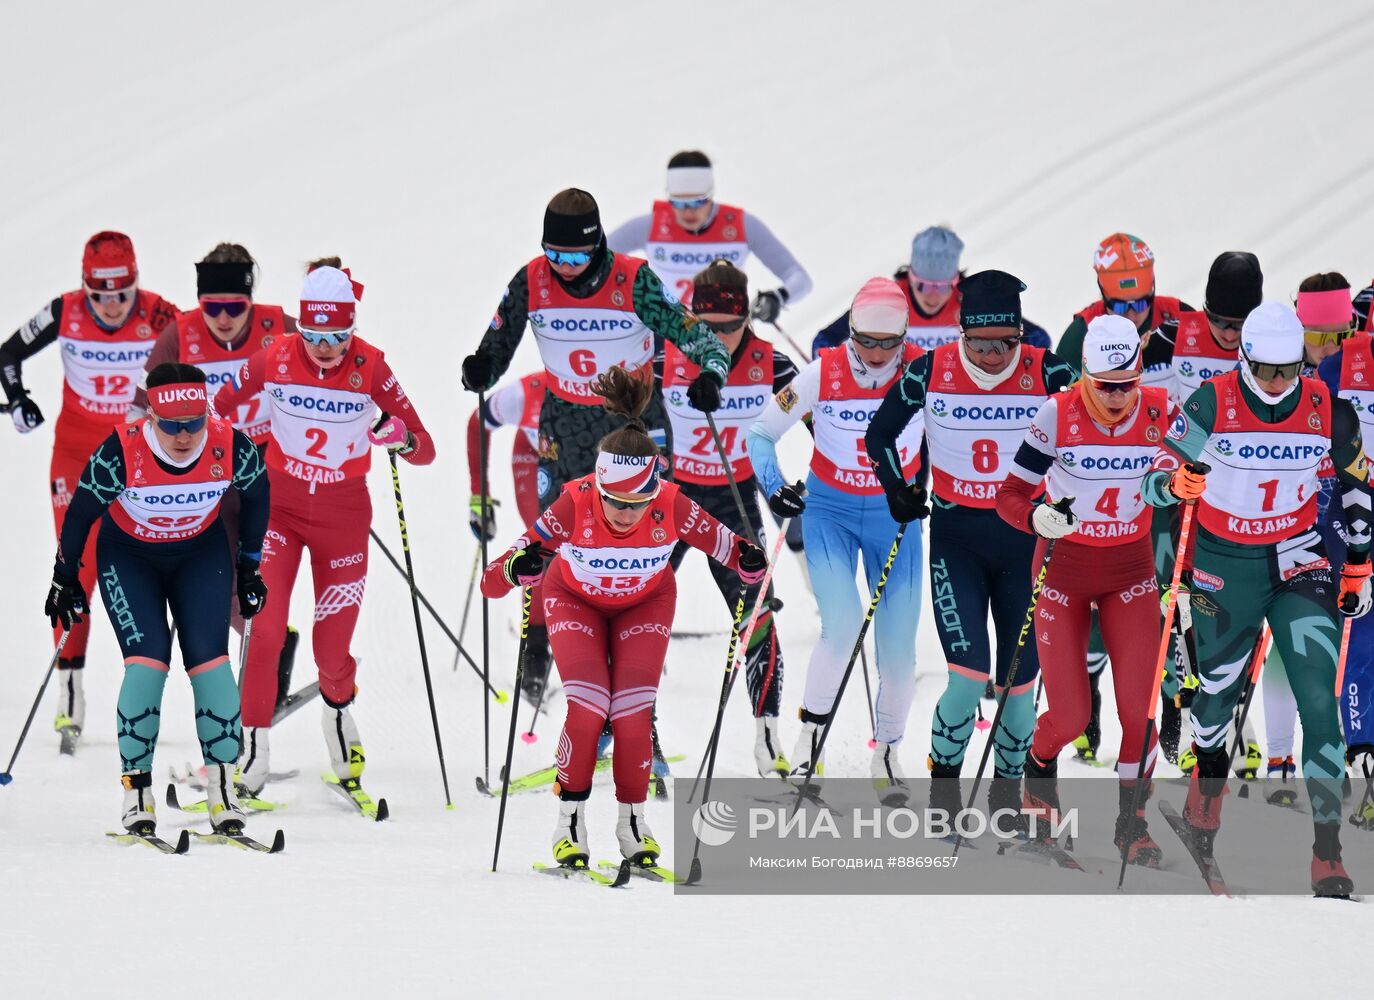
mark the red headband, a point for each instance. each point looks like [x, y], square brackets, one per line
[720, 299]
[178, 399]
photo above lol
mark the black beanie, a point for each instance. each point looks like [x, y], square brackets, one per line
[224, 278]
[573, 230]
[990, 298]
[1235, 285]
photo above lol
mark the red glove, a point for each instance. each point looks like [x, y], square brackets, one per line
[1354, 598]
[1187, 484]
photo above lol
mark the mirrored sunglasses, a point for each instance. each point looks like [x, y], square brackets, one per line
[234, 309]
[689, 203]
[1120, 307]
[175, 427]
[1265, 371]
[999, 345]
[325, 338]
[1111, 386]
[881, 343]
[575, 258]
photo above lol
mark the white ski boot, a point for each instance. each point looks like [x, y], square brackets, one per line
[254, 762]
[139, 808]
[637, 841]
[768, 750]
[71, 707]
[569, 843]
[804, 759]
[226, 815]
[888, 780]
[345, 745]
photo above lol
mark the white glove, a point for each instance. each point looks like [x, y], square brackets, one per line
[1051, 522]
[1363, 763]
[1183, 606]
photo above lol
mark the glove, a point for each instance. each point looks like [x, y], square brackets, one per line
[525, 567]
[1361, 759]
[787, 501]
[1188, 482]
[908, 504]
[768, 305]
[1053, 520]
[25, 413]
[390, 433]
[66, 601]
[475, 517]
[1354, 599]
[752, 564]
[1183, 606]
[252, 591]
[477, 373]
[704, 392]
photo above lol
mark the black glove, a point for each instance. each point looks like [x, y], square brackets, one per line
[768, 305]
[524, 567]
[908, 504]
[477, 373]
[704, 392]
[752, 559]
[25, 413]
[787, 501]
[66, 600]
[252, 591]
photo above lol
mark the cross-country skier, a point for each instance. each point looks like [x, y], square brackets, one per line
[977, 395]
[591, 309]
[931, 286]
[325, 386]
[690, 229]
[515, 405]
[106, 329]
[159, 483]
[1266, 430]
[1093, 445]
[757, 371]
[218, 337]
[610, 626]
[844, 514]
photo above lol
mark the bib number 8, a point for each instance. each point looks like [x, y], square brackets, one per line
[985, 456]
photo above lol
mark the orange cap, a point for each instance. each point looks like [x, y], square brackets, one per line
[1125, 267]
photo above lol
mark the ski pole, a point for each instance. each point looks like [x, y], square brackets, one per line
[1027, 633]
[528, 735]
[500, 696]
[694, 871]
[730, 478]
[868, 696]
[1248, 694]
[853, 656]
[486, 605]
[527, 599]
[467, 602]
[7, 777]
[802, 354]
[419, 625]
[1185, 533]
[730, 670]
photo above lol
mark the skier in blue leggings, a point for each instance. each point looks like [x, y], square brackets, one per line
[844, 513]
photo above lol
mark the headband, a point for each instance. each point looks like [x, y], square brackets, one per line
[1329, 308]
[625, 474]
[178, 399]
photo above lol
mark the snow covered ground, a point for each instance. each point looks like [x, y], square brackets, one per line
[421, 141]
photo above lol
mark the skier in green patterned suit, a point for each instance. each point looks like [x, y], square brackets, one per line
[1265, 430]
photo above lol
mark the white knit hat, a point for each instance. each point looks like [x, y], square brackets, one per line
[1112, 344]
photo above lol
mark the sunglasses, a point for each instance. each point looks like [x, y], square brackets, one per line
[100, 298]
[881, 343]
[690, 202]
[934, 287]
[233, 309]
[1110, 386]
[999, 345]
[1325, 338]
[175, 427]
[1225, 322]
[1264, 371]
[325, 338]
[620, 504]
[574, 257]
[1120, 307]
[724, 328]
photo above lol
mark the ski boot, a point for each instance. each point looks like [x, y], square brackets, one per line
[1004, 796]
[1329, 877]
[805, 761]
[1085, 747]
[768, 757]
[1202, 811]
[226, 815]
[1254, 760]
[286, 662]
[1281, 769]
[534, 677]
[946, 797]
[637, 843]
[1132, 831]
[1187, 760]
[71, 705]
[1170, 728]
[1041, 801]
[569, 847]
[346, 755]
[888, 780]
[253, 762]
[139, 809]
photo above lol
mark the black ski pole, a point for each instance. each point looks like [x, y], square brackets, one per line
[486, 607]
[868, 696]
[467, 602]
[500, 696]
[853, 656]
[528, 736]
[419, 625]
[730, 478]
[527, 598]
[7, 776]
[1027, 633]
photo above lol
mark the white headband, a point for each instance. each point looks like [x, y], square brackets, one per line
[688, 181]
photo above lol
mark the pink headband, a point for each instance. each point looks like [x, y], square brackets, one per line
[1331, 308]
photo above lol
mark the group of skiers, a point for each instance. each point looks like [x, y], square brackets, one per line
[1057, 483]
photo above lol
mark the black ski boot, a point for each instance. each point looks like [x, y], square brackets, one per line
[1041, 801]
[538, 659]
[946, 797]
[1133, 832]
[1004, 795]
[285, 663]
[1170, 727]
